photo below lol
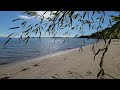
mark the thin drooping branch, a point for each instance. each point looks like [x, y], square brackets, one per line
[64, 20]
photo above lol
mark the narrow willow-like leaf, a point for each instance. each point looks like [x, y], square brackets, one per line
[89, 26]
[84, 14]
[93, 13]
[36, 24]
[26, 39]
[24, 12]
[75, 36]
[10, 34]
[28, 26]
[102, 20]
[73, 28]
[110, 22]
[92, 19]
[16, 19]
[14, 27]
[103, 13]
[7, 41]
[65, 33]
[88, 14]
[71, 21]
[23, 24]
[20, 38]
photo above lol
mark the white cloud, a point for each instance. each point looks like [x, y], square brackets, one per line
[25, 17]
[40, 15]
[46, 15]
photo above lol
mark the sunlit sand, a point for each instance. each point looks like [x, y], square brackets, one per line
[71, 64]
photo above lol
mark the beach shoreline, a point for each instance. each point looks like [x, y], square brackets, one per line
[41, 57]
[44, 56]
[69, 64]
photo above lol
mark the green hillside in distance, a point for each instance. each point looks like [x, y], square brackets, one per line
[106, 33]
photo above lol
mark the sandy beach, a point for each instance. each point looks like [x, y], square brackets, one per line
[71, 64]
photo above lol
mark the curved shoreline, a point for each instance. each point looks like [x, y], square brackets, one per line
[70, 64]
[45, 56]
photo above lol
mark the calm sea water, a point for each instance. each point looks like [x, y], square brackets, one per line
[15, 51]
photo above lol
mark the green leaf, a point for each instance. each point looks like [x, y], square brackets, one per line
[23, 24]
[89, 26]
[7, 41]
[88, 22]
[28, 26]
[84, 14]
[36, 24]
[102, 20]
[71, 21]
[24, 12]
[73, 28]
[93, 13]
[65, 33]
[75, 36]
[10, 34]
[88, 14]
[103, 13]
[20, 38]
[26, 39]
[31, 13]
[92, 19]
[14, 27]
[110, 22]
[35, 30]
[16, 19]
[39, 31]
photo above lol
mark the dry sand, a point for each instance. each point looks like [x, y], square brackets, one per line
[71, 64]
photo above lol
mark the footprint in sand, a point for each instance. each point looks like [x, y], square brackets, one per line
[25, 69]
[35, 65]
[89, 73]
[5, 77]
[5, 74]
[56, 76]
[75, 75]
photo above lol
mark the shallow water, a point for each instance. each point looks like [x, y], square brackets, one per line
[15, 51]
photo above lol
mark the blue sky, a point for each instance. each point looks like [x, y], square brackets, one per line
[6, 18]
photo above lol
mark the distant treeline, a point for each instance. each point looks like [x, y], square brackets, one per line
[106, 33]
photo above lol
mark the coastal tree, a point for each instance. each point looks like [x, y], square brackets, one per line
[59, 20]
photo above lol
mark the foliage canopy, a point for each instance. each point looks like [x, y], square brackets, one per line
[66, 19]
